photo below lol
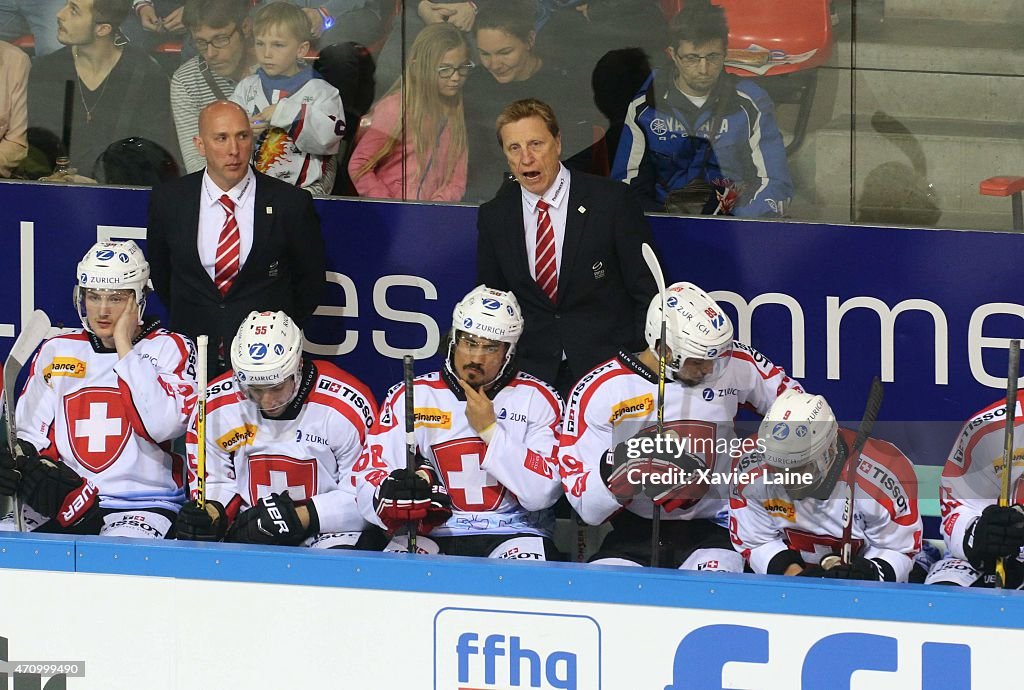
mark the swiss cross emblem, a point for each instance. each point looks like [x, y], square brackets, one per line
[98, 427]
[274, 474]
[470, 487]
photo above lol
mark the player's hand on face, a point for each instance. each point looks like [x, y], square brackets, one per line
[124, 328]
[479, 408]
[172, 22]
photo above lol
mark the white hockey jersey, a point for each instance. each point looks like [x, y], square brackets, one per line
[504, 487]
[765, 521]
[112, 419]
[971, 475]
[304, 132]
[309, 451]
[619, 398]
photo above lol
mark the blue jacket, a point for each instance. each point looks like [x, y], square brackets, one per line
[665, 145]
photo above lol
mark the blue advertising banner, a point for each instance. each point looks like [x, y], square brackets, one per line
[930, 311]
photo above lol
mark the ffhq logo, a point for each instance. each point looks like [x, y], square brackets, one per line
[484, 650]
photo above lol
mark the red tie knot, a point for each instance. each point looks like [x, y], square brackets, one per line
[227, 203]
[543, 206]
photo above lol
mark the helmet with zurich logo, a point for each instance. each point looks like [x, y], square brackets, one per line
[696, 327]
[491, 314]
[799, 435]
[267, 350]
[112, 266]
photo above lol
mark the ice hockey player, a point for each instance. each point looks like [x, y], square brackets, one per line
[976, 530]
[614, 465]
[788, 515]
[485, 437]
[282, 434]
[100, 409]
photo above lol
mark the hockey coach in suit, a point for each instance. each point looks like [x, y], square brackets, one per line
[229, 240]
[568, 246]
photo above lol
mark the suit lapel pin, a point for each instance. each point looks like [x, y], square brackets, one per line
[582, 209]
[270, 210]
[598, 269]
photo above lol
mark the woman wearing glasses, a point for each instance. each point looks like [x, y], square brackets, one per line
[419, 154]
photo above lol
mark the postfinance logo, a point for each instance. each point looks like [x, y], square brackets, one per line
[239, 436]
[640, 406]
[64, 366]
[776, 507]
[479, 649]
[433, 418]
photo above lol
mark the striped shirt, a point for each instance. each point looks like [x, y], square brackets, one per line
[189, 94]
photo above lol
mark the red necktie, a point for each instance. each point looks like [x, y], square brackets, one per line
[229, 248]
[547, 275]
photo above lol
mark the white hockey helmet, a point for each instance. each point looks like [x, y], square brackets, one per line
[799, 435]
[490, 314]
[112, 266]
[267, 351]
[696, 327]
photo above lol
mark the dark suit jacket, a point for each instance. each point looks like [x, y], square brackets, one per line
[604, 286]
[284, 270]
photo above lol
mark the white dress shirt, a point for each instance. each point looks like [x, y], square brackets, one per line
[212, 215]
[557, 195]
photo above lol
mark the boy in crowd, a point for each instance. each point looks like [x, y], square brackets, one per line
[297, 116]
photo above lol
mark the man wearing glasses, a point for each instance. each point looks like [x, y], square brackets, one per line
[704, 142]
[221, 33]
[485, 436]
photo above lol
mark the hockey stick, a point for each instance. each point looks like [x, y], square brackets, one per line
[202, 346]
[408, 362]
[659, 280]
[1013, 371]
[33, 332]
[867, 423]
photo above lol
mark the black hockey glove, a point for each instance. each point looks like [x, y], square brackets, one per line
[198, 524]
[10, 476]
[55, 490]
[859, 569]
[997, 533]
[663, 471]
[273, 521]
[404, 497]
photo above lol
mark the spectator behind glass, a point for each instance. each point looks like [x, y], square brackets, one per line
[155, 21]
[419, 154]
[221, 33]
[297, 116]
[36, 17]
[14, 66]
[703, 141]
[119, 91]
[513, 70]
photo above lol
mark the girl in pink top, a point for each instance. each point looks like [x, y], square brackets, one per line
[419, 154]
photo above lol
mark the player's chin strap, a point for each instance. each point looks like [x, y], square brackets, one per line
[309, 374]
[451, 379]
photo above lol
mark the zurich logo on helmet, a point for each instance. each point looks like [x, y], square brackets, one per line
[122, 257]
[672, 302]
[105, 254]
[279, 349]
[258, 351]
[240, 375]
[490, 303]
[467, 322]
[708, 394]
[84, 278]
[780, 431]
[801, 430]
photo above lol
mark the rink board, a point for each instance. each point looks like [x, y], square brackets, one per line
[174, 616]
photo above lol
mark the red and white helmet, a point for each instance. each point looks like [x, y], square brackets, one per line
[799, 434]
[112, 266]
[267, 350]
[696, 327]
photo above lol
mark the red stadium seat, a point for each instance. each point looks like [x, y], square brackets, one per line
[1007, 186]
